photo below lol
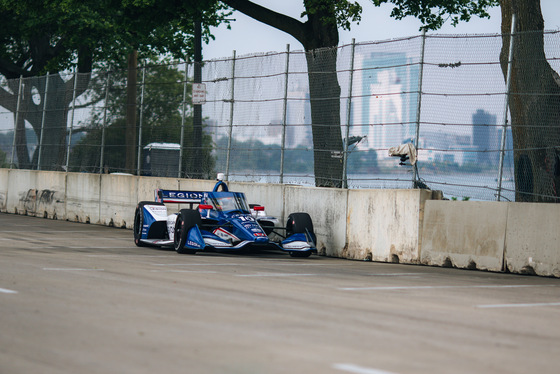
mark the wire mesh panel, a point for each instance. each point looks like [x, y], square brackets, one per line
[384, 107]
[462, 115]
[87, 123]
[219, 79]
[10, 92]
[298, 152]
[255, 126]
[161, 104]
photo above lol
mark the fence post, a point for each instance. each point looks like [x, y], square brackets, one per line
[506, 106]
[284, 114]
[43, 122]
[141, 117]
[230, 115]
[72, 119]
[104, 122]
[184, 110]
[16, 119]
[419, 103]
[348, 117]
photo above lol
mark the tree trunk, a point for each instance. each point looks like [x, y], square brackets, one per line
[324, 92]
[320, 40]
[196, 165]
[534, 104]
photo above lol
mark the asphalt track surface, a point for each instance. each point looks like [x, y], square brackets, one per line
[79, 298]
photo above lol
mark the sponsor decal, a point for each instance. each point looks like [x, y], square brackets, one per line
[224, 234]
[157, 210]
[259, 234]
[193, 244]
[184, 195]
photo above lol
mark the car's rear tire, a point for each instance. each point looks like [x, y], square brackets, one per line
[299, 223]
[186, 219]
[139, 221]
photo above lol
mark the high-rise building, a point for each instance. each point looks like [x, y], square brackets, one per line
[385, 109]
[485, 136]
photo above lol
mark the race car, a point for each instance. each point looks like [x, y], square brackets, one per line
[218, 220]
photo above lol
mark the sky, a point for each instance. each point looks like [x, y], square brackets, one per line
[248, 36]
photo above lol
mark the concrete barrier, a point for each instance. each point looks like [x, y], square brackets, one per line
[404, 226]
[36, 193]
[82, 197]
[384, 225]
[327, 208]
[465, 234]
[532, 244]
[118, 197]
[4, 178]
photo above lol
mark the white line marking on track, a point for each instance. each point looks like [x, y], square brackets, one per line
[127, 255]
[393, 288]
[90, 247]
[50, 231]
[4, 290]
[528, 305]
[275, 275]
[292, 263]
[184, 271]
[350, 368]
[71, 269]
[196, 264]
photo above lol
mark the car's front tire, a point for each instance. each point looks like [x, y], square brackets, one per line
[186, 220]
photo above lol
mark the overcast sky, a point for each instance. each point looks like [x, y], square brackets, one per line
[248, 36]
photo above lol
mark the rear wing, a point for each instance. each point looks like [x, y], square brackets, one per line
[179, 197]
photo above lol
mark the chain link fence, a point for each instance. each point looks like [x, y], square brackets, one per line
[327, 117]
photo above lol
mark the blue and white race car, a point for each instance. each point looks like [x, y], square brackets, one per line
[218, 220]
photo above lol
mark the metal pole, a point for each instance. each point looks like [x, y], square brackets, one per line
[43, 122]
[196, 167]
[72, 118]
[419, 103]
[284, 115]
[348, 118]
[181, 141]
[17, 119]
[141, 117]
[231, 114]
[506, 106]
[104, 123]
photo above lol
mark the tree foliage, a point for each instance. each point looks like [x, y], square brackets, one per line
[434, 13]
[53, 35]
[49, 36]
